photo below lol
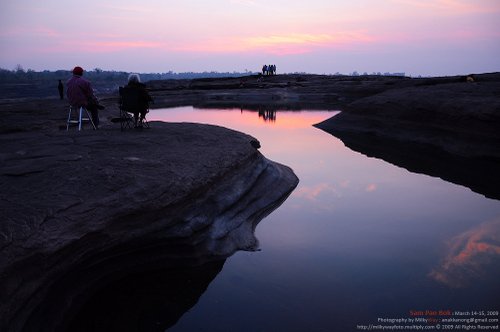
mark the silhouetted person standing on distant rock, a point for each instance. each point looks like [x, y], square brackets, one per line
[60, 87]
[264, 70]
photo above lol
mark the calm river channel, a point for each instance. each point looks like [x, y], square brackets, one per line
[358, 242]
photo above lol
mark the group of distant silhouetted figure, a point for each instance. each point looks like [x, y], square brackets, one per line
[268, 70]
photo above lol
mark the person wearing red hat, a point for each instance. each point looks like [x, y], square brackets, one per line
[80, 93]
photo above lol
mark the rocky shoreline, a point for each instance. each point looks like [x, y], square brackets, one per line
[448, 129]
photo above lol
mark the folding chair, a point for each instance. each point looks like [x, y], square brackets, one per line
[131, 100]
[79, 117]
[126, 119]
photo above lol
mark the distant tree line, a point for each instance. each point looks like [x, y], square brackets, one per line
[99, 75]
[355, 73]
[19, 74]
[20, 83]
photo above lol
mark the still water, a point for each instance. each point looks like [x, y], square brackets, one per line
[359, 239]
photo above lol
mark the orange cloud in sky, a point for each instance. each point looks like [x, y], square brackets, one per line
[293, 43]
[298, 38]
[286, 44]
[303, 42]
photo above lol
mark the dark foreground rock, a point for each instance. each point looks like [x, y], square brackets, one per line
[83, 210]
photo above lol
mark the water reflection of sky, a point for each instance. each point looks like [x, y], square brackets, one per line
[358, 239]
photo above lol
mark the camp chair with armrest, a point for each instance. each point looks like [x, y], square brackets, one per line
[131, 101]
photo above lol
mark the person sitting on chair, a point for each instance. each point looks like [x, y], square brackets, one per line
[81, 94]
[134, 83]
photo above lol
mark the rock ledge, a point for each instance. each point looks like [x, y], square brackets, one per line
[72, 200]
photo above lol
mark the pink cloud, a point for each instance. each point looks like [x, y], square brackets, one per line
[452, 7]
[127, 8]
[100, 44]
[469, 254]
[38, 31]
[244, 2]
[113, 46]
[345, 183]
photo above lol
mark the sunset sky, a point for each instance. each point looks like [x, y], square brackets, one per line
[418, 37]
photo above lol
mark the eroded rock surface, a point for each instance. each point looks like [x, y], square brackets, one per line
[94, 203]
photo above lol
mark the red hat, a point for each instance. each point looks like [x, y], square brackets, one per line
[78, 71]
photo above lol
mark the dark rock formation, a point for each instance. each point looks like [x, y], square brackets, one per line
[297, 91]
[81, 210]
[441, 128]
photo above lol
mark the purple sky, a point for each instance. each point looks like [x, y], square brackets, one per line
[418, 37]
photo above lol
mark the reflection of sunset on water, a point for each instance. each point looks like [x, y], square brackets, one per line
[288, 127]
[356, 227]
[469, 255]
[242, 117]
